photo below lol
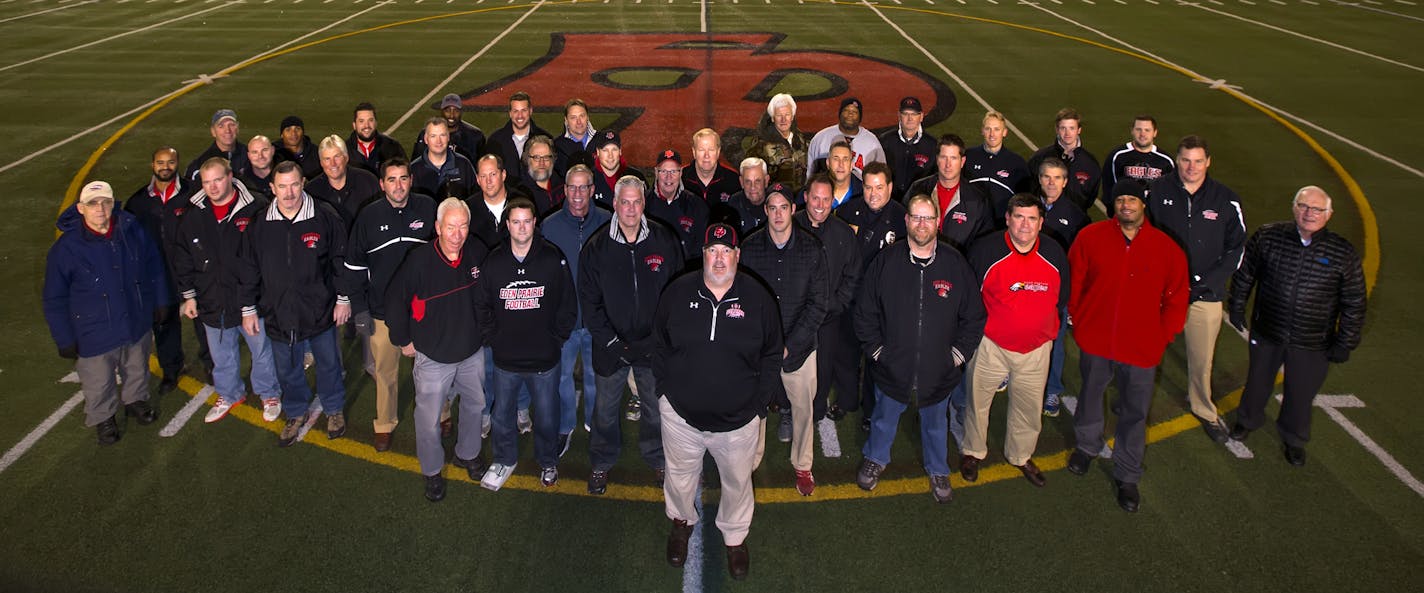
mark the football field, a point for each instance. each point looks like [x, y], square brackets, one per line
[1288, 92]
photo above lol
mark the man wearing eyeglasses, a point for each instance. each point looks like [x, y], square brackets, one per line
[671, 203]
[544, 186]
[1204, 218]
[569, 228]
[1310, 310]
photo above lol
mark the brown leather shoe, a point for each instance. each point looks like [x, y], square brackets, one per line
[738, 561]
[1032, 473]
[677, 543]
[969, 468]
[446, 427]
[382, 442]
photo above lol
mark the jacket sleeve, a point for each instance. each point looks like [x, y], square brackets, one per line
[1232, 249]
[971, 317]
[1353, 295]
[802, 337]
[355, 278]
[484, 299]
[568, 302]
[249, 267]
[595, 316]
[664, 341]
[867, 316]
[180, 262]
[1176, 294]
[397, 301]
[769, 369]
[336, 266]
[848, 279]
[155, 270]
[56, 299]
[1244, 279]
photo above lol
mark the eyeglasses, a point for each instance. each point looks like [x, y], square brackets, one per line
[584, 187]
[669, 171]
[923, 219]
[1311, 209]
[543, 158]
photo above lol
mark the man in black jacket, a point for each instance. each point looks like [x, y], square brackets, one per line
[464, 137]
[366, 145]
[837, 352]
[344, 187]
[526, 309]
[622, 270]
[508, 141]
[919, 318]
[1310, 310]
[224, 129]
[718, 353]
[206, 260]
[441, 172]
[1204, 218]
[964, 209]
[431, 315]
[384, 231]
[298, 147]
[909, 150]
[745, 210]
[670, 203]
[1062, 221]
[996, 168]
[150, 204]
[1084, 172]
[293, 255]
[261, 160]
[792, 263]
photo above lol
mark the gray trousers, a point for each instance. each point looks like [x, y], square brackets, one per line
[96, 377]
[1134, 388]
[434, 382]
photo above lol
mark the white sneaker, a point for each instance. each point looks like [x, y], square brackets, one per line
[308, 360]
[271, 408]
[220, 409]
[496, 476]
[485, 426]
[526, 425]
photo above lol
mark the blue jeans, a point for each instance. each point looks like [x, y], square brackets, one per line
[296, 393]
[579, 342]
[1055, 361]
[607, 437]
[543, 386]
[934, 433]
[489, 384]
[958, 399]
[227, 362]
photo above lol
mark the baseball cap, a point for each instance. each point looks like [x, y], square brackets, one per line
[780, 188]
[291, 120]
[1130, 187]
[849, 101]
[452, 100]
[720, 234]
[669, 155]
[605, 138]
[911, 104]
[223, 114]
[95, 190]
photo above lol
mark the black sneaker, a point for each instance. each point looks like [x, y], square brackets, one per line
[597, 482]
[108, 431]
[835, 413]
[783, 428]
[169, 383]
[475, 468]
[1079, 461]
[1127, 496]
[141, 412]
[435, 488]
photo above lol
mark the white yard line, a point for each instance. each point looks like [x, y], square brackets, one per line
[692, 569]
[1281, 112]
[40, 12]
[437, 88]
[35, 435]
[1380, 10]
[830, 440]
[119, 35]
[703, 15]
[186, 412]
[1331, 404]
[1306, 37]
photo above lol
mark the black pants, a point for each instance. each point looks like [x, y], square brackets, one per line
[1304, 374]
[837, 365]
[1134, 389]
[168, 344]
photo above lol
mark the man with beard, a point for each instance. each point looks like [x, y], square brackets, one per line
[508, 141]
[908, 149]
[780, 143]
[441, 172]
[345, 187]
[366, 145]
[578, 134]
[224, 129]
[1084, 172]
[157, 206]
[298, 148]
[865, 147]
[463, 137]
[544, 187]
[1000, 171]
[745, 211]
[670, 203]
[608, 154]
[964, 209]
[261, 159]
[838, 357]
[1138, 159]
[706, 176]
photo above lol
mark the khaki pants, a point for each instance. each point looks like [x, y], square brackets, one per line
[734, 452]
[1027, 373]
[800, 386]
[385, 358]
[1203, 325]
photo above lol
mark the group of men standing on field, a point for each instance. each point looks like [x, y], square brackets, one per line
[906, 273]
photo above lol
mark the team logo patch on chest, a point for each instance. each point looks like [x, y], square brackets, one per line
[1031, 286]
[686, 223]
[942, 288]
[311, 239]
[921, 160]
[654, 262]
[241, 223]
[416, 225]
[1081, 177]
[1002, 173]
[959, 217]
[735, 312]
[1209, 214]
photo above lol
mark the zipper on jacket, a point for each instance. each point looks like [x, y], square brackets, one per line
[919, 334]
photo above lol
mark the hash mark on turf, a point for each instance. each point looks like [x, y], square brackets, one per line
[830, 440]
[35, 435]
[1239, 449]
[186, 413]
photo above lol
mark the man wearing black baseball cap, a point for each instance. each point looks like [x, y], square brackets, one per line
[863, 143]
[671, 203]
[909, 151]
[717, 361]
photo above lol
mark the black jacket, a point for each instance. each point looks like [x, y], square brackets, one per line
[725, 182]
[1084, 172]
[909, 161]
[1207, 225]
[717, 362]
[968, 219]
[874, 231]
[739, 212]
[796, 276]
[1063, 221]
[501, 142]
[361, 187]
[454, 179]
[843, 266]
[1126, 162]
[206, 254]
[236, 158]
[306, 156]
[919, 323]
[619, 284]
[291, 269]
[431, 302]
[687, 215]
[527, 309]
[159, 220]
[603, 188]
[385, 149]
[1005, 170]
[468, 140]
[1310, 297]
[379, 240]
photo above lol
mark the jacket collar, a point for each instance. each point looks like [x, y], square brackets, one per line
[617, 233]
[307, 211]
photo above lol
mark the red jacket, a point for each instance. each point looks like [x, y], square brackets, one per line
[1129, 300]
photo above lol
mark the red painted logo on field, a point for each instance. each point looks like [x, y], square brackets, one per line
[664, 86]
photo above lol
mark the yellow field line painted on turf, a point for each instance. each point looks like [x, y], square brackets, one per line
[900, 486]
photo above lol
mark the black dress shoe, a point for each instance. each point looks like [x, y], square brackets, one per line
[169, 383]
[865, 424]
[1127, 496]
[835, 413]
[141, 412]
[108, 431]
[1294, 455]
[1239, 432]
[1032, 473]
[738, 561]
[475, 468]
[435, 488]
[677, 543]
[1216, 430]
[969, 468]
[1079, 461]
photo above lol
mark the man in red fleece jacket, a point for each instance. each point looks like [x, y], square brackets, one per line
[1128, 301]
